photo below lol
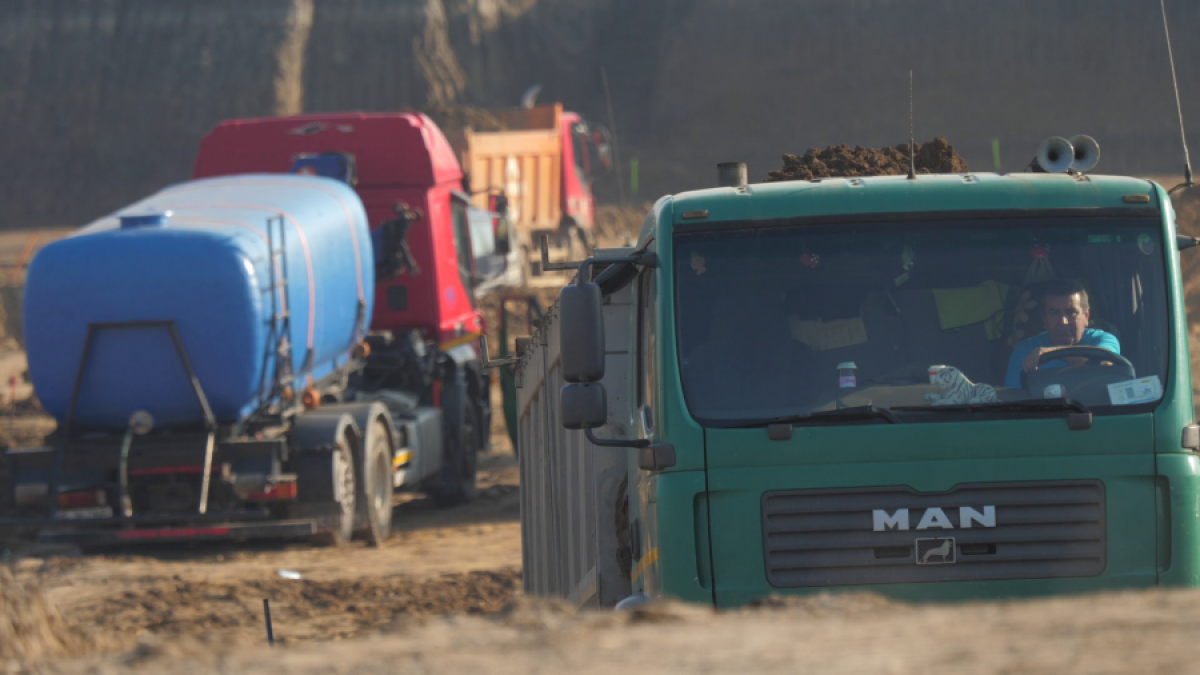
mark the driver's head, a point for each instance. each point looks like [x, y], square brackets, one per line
[1065, 311]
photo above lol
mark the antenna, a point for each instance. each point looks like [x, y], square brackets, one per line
[912, 144]
[1187, 160]
[612, 122]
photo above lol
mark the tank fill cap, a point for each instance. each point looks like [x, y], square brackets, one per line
[153, 219]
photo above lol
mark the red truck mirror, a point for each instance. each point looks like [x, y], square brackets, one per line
[501, 224]
[503, 231]
[392, 254]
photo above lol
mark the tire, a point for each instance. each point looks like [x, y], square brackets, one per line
[461, 454]
[342, 492]
[375, 487]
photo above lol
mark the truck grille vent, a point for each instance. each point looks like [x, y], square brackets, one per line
[857, 536]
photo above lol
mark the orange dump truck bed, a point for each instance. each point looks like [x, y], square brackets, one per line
[525, 161]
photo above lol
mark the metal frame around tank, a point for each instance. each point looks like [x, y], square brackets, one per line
[210, 422]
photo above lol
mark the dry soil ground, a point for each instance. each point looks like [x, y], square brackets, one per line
[442, 596]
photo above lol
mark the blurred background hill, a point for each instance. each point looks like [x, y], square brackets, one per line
[102, 101]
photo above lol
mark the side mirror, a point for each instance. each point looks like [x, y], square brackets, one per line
[503, 236]
[390, 240]
[584, 405]
[581, 332]
[1183, 241]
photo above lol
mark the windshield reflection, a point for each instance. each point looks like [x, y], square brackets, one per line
[786, 321]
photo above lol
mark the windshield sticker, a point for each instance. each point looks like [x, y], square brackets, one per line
[1053, 391]
[1145, 244]
[698, 263]
[810, 260]
[1143, 390]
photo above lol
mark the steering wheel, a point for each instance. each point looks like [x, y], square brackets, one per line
[1083, 381]
[1093, 355]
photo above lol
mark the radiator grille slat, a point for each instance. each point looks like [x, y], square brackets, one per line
[827, 537]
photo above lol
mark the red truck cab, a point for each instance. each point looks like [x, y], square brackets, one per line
[577, 201]
[398, 158]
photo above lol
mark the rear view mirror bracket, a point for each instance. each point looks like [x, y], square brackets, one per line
[643, 258]
[616, 442]
[1183, 241]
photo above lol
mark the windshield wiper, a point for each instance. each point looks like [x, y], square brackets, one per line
[1079, 416]
[857, 413]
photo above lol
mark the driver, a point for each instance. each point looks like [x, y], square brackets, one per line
[1066, 314]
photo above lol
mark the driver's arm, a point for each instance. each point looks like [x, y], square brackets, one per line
[1031, 361]
[1106, 341]
[1012, 377]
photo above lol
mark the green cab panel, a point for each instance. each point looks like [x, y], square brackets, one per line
[934, 511]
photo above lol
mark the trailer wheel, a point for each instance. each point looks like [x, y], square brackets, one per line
[375, 495]
[341, 484]
[461, 458]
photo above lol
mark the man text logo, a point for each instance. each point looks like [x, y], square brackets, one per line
[934, 518]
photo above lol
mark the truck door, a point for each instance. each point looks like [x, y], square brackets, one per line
[643, 530]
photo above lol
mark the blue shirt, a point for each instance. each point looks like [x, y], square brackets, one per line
[1091, 338]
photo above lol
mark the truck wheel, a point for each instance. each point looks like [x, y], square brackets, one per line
[457, 484]
[375, 492]
[341, 486]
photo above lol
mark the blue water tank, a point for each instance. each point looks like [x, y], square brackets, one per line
[198, 255]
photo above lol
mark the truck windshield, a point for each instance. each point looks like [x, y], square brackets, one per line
[912, 316]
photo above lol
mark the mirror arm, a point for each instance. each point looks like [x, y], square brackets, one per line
[1183, 241]
[553, 266]
[643, 258]
[615, 443]
[488, 362]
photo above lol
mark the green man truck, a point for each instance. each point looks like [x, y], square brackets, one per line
[808, 386]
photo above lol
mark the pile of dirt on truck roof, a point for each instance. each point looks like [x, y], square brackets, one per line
[837, 161]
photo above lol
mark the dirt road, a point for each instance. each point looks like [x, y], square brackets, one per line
[461, 560]
[830, 635]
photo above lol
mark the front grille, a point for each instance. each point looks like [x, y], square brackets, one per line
[829, 537]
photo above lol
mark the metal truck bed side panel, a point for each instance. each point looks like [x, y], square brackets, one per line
[570, 488]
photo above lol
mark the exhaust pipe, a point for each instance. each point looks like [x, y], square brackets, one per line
[731, 174]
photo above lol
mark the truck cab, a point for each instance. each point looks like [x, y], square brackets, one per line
[818, 385]
[425, 323]
[398, 158]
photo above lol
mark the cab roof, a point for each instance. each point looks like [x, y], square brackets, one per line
[926, 193]
[390, 149]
